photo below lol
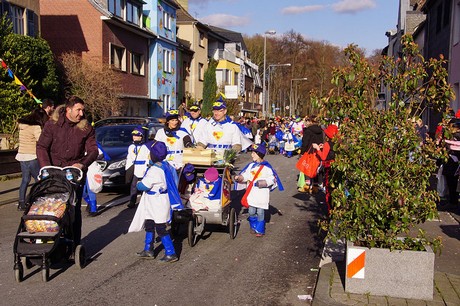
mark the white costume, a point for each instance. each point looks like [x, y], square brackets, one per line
[200, 197]
[259, 197]
[154, 204]
[195, 127]
[221, 136]
[139, 155]
[175, 146]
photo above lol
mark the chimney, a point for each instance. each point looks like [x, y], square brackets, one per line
[184, 4]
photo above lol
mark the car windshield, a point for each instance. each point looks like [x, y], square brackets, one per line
[114, 135]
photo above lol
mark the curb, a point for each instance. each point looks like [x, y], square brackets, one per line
[321, 295]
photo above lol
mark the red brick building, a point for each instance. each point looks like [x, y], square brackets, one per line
[109, 31]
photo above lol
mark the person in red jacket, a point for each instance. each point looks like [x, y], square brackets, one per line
[326, 154]
[68, 139]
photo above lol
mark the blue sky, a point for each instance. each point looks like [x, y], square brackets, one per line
[340, 22]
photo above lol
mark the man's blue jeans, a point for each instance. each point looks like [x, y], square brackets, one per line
[29, 169]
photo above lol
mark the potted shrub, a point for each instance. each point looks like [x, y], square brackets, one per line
[381, 172]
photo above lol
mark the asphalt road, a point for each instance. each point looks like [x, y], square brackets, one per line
[278, 269]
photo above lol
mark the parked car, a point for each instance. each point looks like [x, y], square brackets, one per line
[114, 137]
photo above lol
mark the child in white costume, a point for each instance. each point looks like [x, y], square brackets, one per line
[138, 157]
[175, 138]
[154, 210]
[206, 195]
[264, 181]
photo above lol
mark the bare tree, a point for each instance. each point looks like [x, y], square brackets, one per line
[97, 84]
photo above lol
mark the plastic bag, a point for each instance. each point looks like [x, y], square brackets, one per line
[94, 177]
[309, 164]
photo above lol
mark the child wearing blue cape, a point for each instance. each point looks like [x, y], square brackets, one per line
[206, 195]
[160, 195]
[264, 179]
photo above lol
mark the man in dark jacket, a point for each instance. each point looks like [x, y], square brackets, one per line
[312, 133]
[68, 139]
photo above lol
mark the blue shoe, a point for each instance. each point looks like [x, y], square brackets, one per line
[147, 252]
[260, 228]
[252, 224]
[170, 252]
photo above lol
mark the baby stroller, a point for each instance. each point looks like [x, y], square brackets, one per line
[45, 234]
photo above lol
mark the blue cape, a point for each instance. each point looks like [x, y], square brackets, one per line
[172, 180]
[106, 156]
[215, 192]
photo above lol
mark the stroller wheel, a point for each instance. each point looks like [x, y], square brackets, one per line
[45, 273]
[19, 273]
[80, 256]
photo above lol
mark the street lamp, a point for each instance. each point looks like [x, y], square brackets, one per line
[291, 99]
[269, 79]
[270, 32]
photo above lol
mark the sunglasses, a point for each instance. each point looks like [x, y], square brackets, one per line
[173, 112]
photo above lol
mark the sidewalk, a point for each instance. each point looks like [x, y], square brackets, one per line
[446, 288]
[9, 188]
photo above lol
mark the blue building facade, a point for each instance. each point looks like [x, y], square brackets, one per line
[161, 19]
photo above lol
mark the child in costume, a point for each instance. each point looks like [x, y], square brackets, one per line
[264, 179]
[289, 143]
[138, 157]
[207, 192]
[159, 195]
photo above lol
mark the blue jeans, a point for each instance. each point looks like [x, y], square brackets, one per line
[260, 212]
[29, 169]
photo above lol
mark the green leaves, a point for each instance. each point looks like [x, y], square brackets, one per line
[381, 172]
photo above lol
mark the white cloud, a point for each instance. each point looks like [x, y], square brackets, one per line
[224, 20]
[293, 10]
[353, 6]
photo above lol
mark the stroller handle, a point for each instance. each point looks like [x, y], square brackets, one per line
[79, 171]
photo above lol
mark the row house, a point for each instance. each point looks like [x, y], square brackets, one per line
[435, 26]
[161, 19]
[109, 32]
[237, 77]
[24, 15]
[236, 73]
[194, 37]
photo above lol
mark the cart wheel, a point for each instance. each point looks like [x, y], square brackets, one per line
[19, 273]
[191, 232]
[26, 263]
[45, 273]
[80, 256]
[232, 223]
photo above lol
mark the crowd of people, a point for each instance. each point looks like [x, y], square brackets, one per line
[63, 137]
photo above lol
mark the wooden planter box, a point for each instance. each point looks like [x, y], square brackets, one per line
[400, 274]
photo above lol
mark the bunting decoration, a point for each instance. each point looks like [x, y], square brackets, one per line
[18, 82]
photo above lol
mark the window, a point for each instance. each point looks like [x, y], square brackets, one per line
[446, 19]
[456, 25]
[201, 39]
[115, 7]
[17, 17]
[30, 23]
[166, 20]
[132, 13]
[201, 71]
[137, 64]
[117, 57]
[166, 60]
[228, 77]
[167, 102]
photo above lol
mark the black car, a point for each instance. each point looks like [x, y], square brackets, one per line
[115, 137]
